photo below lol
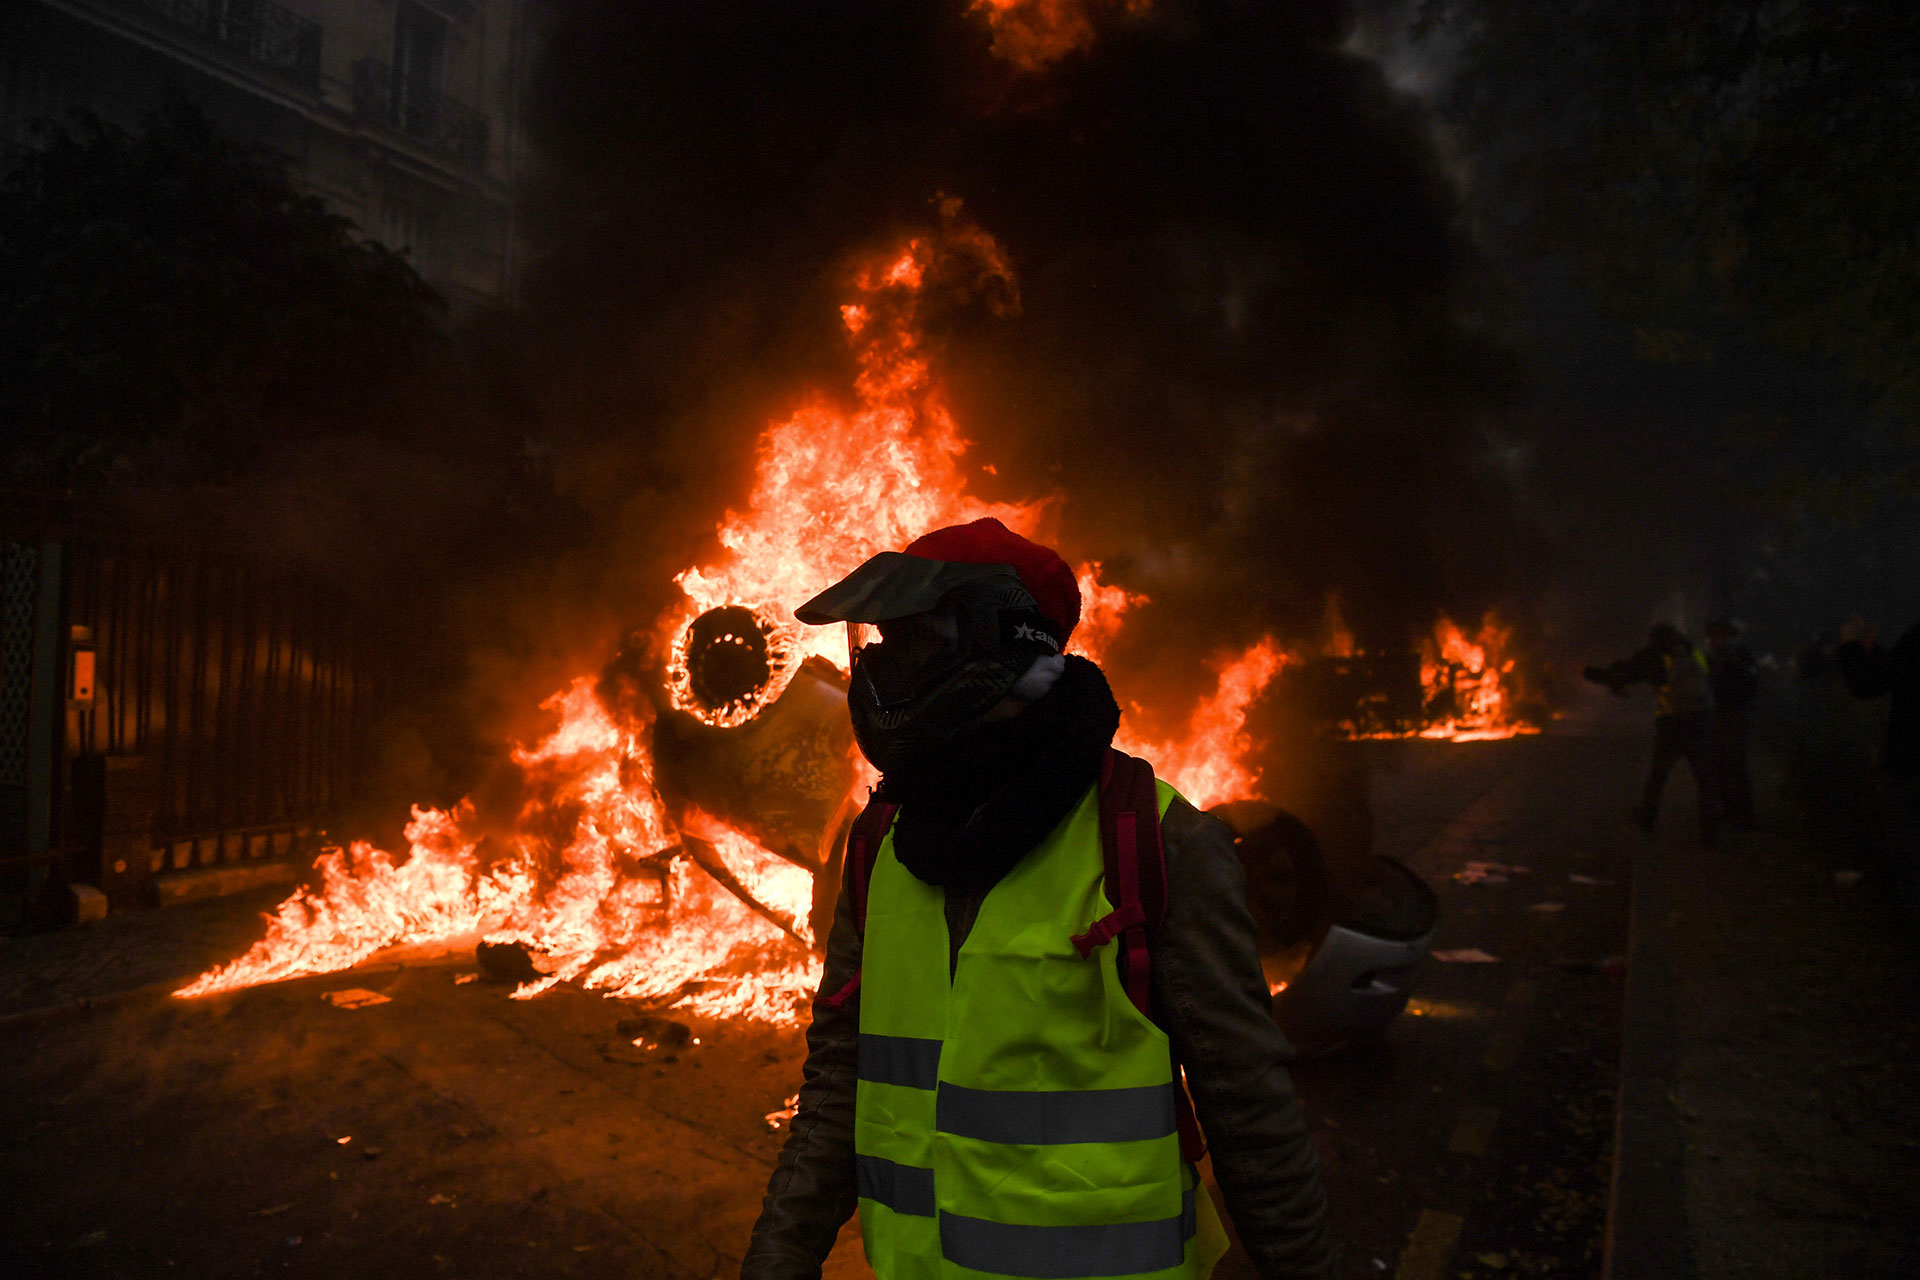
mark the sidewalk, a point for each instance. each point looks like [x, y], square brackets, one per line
[45, 974]
[1770, 1069]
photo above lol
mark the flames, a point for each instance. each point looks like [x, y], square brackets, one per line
[615, 904]
[1032, 35]
[834, 484]
[609, 884]
[1453, 688]
[1208, 765]
[1468, 683]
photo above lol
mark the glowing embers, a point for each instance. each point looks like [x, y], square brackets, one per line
[727, 664]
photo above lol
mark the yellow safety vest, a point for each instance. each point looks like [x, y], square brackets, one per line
[1687, 690]
[1017, 1119]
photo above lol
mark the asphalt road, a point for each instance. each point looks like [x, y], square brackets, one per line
[1476, 1138]
[453, 1131]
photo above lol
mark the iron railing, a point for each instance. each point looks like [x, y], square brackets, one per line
[249, 691]
[257, 30]
[409, 105]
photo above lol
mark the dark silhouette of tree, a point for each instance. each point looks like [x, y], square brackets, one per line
[1720, 168]
[173, 311]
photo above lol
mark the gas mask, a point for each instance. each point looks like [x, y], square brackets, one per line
[953, 641]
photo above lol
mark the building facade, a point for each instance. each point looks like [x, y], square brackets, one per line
[402, 114]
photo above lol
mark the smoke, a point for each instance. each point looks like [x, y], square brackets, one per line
[1245, 351]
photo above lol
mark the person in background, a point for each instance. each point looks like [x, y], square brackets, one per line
[1871, 671]
[1682, 720]
[1735, 679]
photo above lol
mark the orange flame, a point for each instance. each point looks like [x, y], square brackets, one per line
[1032, 35]
[616, 907]
[599, 878]
[1208, 766]
[1340, 642]
[834, 486]
[1463, 682]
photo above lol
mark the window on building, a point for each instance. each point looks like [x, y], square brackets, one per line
[419, 67]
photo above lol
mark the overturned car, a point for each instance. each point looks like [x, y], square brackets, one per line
[1342, 932]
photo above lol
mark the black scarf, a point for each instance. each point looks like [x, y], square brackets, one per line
[993, 794]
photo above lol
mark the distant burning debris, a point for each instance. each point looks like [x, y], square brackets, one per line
[1452, 688]
[1468, 684]
[682, 808]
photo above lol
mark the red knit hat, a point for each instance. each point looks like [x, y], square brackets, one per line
[1047, 578]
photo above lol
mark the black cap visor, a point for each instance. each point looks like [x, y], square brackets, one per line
[894, 585]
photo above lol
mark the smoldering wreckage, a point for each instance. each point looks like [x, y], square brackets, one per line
[680, 836]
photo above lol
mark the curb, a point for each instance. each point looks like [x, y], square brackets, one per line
[1647, 1210]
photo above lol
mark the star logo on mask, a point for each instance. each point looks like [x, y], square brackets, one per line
[1024, 632]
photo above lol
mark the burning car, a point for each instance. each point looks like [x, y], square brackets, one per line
[1342, 947]
[678, 827]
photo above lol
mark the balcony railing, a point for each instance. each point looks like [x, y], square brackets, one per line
[261, 32]
[413, 107]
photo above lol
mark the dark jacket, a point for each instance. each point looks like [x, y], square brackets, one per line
[1735, 678]
[1208, 994]
[1878, 673]
[1680, 687]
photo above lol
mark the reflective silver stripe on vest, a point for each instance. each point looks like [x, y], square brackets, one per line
[1045, 1117]
[901, 1187]
[901, 1060]
[1064, 1253]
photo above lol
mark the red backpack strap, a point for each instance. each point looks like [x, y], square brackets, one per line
[1136, 884]
[863, 850]
[1130, 845]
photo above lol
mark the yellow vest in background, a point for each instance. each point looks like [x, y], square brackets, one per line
[1687, 690]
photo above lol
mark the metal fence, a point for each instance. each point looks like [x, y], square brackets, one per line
[246, 690]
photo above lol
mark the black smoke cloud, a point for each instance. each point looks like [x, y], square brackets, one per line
[1245, 354]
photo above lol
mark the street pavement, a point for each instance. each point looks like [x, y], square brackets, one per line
[1475, 1139]
[453, 1131]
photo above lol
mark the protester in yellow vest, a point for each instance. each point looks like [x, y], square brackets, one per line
[981, 1082]
[1682, 719]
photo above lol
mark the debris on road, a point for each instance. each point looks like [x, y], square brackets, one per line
[1580, 879]
[1488, 873]
[462, 979]
[355, 998]
[650, 1032]
[787, 1111]
[1466, 955]
[506, 962]
[1610, 964]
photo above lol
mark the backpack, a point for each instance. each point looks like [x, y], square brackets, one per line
[1136, 882]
